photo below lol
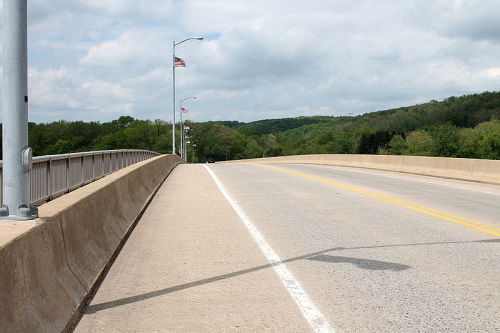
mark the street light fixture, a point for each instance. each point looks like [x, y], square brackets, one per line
[183, 148]
[173, 86]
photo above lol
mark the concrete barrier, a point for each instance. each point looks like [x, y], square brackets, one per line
[487, 171]
[49, 265]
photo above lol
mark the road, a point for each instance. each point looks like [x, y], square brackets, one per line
[353, 250]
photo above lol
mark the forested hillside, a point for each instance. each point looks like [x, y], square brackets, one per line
[467, 126]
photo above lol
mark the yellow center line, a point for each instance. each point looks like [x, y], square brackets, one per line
[419, 208]
[381, 196]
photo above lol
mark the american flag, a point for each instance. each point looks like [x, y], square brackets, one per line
[184, 110]
[179, 62]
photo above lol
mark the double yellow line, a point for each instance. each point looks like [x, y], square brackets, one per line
[419, 208]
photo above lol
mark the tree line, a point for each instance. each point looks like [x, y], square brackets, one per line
[466, 126]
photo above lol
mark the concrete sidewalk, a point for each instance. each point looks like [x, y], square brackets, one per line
[191, 266]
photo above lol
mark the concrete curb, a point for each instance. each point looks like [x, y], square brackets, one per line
[49, 265]
[485, 171]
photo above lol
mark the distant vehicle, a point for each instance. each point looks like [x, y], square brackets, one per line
[210, 160]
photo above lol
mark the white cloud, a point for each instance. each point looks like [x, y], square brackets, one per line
[101, 90]
[493, 72]
[221, 94]
[261, 59]
[130, 8]
[473, 19]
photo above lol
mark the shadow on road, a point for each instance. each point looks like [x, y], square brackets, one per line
[318, 256]
[496, 240]
[374, 265]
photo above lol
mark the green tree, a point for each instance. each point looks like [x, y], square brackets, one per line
[60, 147]
[445, 138]
[340, 143]
[271, 146]
[468, 140]
[397, 145]
[252, 149]
[489, 139]
[419, 142]
[215, 141]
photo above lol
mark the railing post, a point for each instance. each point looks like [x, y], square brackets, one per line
[1, 188]
[49, 178]
[82, 165]
[93, 167]
[105, 166]
[110, 163]
[68, 165]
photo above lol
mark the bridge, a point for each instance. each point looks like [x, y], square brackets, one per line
[320, 243]
[134, 241]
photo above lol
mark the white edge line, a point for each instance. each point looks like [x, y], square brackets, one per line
[309, 310]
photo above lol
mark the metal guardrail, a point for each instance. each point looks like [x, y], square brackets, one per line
[55, 175]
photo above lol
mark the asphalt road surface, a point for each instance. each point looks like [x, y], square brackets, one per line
[352, 250]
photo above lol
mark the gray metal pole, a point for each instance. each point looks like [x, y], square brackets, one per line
[181, 150]
[185, 150]
[173, 87]
[173, 99]
[182, 147]
[16, 153]
[185, 144]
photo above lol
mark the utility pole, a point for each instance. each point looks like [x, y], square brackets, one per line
[16, 153]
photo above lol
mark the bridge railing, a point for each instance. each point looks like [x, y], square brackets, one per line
[55, 175]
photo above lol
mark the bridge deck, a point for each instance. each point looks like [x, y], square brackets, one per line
[370, 251]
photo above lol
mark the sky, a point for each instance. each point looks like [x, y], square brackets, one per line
[260, 59]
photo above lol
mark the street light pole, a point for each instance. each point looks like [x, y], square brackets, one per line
[173, 93]
[185, 148]
[173, 86]
[182, 147]
[16, 153]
